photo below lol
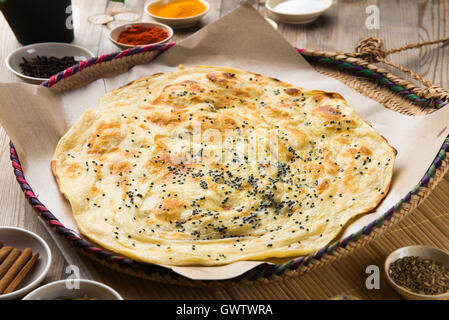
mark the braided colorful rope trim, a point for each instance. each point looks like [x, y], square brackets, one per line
[265, 270]
[359, 70]
[103, 58]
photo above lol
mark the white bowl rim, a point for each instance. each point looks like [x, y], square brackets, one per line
[43, 274]
[40, 44]
[57, 282]
[207, 4]
[331, 2]
[425, 247]
[142, 23]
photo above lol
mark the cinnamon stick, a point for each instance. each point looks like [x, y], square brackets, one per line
[7, 263]
[15, 269]
[4, 253]
[19, 277]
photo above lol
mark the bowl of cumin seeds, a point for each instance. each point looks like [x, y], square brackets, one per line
[419, 272]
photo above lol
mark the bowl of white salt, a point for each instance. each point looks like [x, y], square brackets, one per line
[297, 11]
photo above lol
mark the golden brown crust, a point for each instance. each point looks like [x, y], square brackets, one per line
[55, 173]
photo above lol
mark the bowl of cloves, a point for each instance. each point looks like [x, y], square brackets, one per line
[419, 272]
[38, 62]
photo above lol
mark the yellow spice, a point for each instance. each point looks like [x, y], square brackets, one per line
[179, 9]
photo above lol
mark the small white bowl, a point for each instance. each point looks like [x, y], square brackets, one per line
[22, 239]
[296, 18]
[65, 289]
[115, 32]
[177, 22]
[55, 49]
[425, 252]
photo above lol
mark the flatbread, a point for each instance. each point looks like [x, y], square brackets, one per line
[211, 165]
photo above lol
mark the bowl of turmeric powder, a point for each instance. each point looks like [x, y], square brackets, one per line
[140, 34]
[178, 13]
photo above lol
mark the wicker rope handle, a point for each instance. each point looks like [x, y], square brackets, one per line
[370, 49]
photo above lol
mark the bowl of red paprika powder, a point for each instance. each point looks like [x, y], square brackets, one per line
[140, 34]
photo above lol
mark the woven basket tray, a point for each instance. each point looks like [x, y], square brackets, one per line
[376, 83]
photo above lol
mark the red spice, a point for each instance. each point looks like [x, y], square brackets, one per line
[139, 35]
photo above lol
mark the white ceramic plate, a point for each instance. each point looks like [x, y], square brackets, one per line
[70, 289]
[22, 239]
[55, 49]
[115, 32]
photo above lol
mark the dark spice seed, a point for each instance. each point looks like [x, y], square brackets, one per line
[423, 276]
[45, 67]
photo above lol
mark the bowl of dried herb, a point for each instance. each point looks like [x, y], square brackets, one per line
[419, 272]
[38, 62]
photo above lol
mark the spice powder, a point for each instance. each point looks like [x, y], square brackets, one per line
[141, 35]
[178, 9]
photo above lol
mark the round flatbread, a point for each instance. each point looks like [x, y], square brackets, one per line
[212, 165]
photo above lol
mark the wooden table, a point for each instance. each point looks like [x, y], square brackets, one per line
[341, 28]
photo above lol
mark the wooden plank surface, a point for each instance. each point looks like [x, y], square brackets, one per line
[401, 22]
